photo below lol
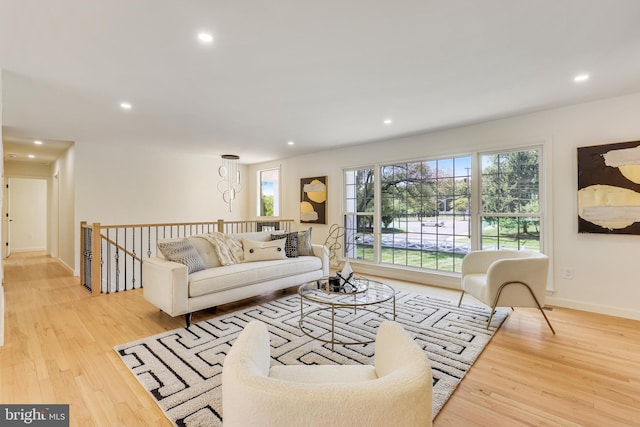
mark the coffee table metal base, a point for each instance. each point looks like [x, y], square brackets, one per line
[373, 308]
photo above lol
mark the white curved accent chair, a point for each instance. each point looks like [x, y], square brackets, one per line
[504, 278]
[397, 391]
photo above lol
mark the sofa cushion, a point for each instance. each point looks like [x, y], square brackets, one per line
[261, 251]
[304, 243]
[248, 273]
[290, 244]
[182, 251]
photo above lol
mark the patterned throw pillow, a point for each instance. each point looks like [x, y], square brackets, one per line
[304, 243]
[182, 251]
[291, 244]
[263, 251]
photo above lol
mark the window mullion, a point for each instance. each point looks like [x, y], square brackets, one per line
[377, 214]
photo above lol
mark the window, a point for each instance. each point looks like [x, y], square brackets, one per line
[424, 214]
[269, 194]
[510, 198]
[418, 214]
[359, 218]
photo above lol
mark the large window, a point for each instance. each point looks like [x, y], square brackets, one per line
[423, 213]
[269, 194]
[510, 195]
[419, 214]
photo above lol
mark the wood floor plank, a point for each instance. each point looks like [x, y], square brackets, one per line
[59, 343]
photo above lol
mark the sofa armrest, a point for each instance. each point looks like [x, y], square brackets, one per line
[396, 349]
[166, 285]
[322, 252]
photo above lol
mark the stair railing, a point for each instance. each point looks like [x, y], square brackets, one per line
[112, 255]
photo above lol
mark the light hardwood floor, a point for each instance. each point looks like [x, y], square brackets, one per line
[59, 340]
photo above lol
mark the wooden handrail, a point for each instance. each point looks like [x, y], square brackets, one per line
[122, 248]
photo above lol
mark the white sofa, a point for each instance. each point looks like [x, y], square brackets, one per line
[395, 391]
[169, 286]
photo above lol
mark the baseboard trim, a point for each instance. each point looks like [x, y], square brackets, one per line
[594, 308]
[38, 249]
[67, 267]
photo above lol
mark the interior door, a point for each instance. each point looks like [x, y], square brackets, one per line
[27, 209]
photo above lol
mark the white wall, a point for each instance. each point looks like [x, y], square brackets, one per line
[605, 267]
[66, 228]
[130, 184]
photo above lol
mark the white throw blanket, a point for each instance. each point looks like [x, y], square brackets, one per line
[228, 249]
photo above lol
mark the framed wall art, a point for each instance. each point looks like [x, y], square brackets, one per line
[313, 200]
[609, 188]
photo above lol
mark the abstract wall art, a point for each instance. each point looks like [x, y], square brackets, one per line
[313, 200]
[609, 188]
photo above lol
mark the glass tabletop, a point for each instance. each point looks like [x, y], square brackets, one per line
[361, 292]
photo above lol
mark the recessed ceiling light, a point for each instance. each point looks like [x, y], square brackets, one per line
[31, 156]
[387, 121]
[581, 78]
[125, 106]
[38, 142]
[13, 156]
[290, 143]
[205, 37]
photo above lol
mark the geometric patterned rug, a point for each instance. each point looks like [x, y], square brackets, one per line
[181, 369]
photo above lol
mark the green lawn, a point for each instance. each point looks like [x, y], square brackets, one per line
[447, 261]
[443, 261]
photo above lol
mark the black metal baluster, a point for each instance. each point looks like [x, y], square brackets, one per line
[149, 242]
[87, 258]
[117, 258]
[108, 285]
[133, 258]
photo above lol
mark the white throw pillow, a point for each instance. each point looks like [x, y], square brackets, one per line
[304, 243]
[263, 251]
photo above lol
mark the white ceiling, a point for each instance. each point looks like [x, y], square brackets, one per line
[320, 73]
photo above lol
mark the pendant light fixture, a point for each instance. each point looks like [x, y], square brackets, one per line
[229, 185]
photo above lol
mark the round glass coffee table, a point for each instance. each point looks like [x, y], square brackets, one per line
[359, 295]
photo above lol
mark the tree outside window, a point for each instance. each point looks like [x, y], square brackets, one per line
[511, 200]
[419, 214]
[269, 194]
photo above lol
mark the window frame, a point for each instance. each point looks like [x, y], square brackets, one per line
[475, 210]
[277, 191]
[542, 199]
[440, 240]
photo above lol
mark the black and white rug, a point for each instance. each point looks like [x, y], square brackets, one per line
[182, 368]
